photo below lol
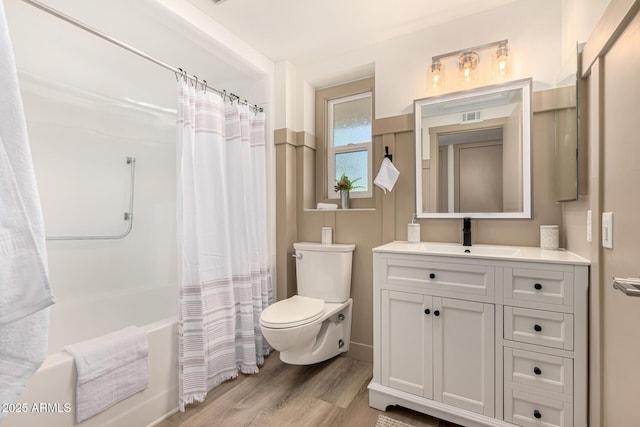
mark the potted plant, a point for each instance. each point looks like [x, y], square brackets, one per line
[344, 185]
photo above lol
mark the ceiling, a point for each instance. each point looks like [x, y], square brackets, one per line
[304, 31]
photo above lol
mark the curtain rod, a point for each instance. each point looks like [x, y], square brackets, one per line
[179, 72]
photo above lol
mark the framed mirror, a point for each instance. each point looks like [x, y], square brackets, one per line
[473, 153]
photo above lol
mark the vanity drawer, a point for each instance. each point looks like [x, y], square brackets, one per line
[543, 371]
[538, 327]
[546, 286]
[462, 278]
[528, 410]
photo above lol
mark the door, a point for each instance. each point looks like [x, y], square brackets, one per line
[618, 181]
[479, 177]
[463, 354]
[406, 332]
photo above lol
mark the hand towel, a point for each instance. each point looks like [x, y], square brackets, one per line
[327, 206]
[387, 176]
[110, 368]
[24, 284]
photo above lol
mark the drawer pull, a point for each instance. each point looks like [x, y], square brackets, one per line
[436, 313]
[537, 414]
[537, 328]
[538, 286]
[537, 371]
[427, 311]
[432, 276]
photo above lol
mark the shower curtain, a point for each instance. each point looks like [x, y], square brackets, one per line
[224, 271]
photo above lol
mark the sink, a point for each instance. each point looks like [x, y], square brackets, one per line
[452, 248]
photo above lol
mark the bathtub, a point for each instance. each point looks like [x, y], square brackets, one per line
[49, 395]
[80, 141]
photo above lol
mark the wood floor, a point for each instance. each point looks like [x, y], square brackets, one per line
[333, 393]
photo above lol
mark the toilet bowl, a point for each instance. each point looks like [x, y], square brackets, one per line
[314, 325]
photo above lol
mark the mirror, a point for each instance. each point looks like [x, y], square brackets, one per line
[566, 144]
[473, 153]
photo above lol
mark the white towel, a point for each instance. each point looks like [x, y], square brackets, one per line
[24, 285]
[387, 176]
[327, 206]
[110, 368]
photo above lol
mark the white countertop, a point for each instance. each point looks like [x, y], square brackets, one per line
[507, 253]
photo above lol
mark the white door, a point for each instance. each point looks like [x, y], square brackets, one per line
[463, 354]
[406, 333]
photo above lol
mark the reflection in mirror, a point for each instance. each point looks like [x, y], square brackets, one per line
[473, 153]
[566, 146]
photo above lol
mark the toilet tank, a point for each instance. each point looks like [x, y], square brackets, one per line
[324, 271]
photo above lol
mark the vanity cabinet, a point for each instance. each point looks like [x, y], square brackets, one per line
[438, 348]
[481, 340]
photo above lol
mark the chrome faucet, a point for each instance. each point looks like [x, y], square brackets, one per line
[466, 231]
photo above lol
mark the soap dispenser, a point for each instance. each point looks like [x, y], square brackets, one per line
[413, 230]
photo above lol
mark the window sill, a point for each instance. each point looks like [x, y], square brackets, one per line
[342, 210]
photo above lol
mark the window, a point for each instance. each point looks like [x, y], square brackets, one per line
[349, 148]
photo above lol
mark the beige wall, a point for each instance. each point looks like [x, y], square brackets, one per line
[387, 215]
[612, 66]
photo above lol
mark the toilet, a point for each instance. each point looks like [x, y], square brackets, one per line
[314, 325]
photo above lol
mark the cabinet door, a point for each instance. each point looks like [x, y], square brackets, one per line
[406, 332]
[463, 354]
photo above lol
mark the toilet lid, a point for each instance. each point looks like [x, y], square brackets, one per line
[294, 311]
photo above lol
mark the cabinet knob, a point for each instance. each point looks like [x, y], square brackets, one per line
[432, 276]
[537, 371]
[427, 311]
[537, 328]
[538, 286]
[436, 313]
[537, 414]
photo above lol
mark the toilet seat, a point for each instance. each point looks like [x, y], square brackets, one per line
[294, 311]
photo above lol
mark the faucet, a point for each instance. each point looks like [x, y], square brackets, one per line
[466, 232]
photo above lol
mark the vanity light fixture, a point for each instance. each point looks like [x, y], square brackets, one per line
[501, 63]
[469, 68]
[437, 74]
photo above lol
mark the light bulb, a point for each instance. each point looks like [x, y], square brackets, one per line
[437, 78]
[501, 61]
[503, 66]
[468, 68]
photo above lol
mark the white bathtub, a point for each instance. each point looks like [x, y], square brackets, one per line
[52, 389]
[80, 141]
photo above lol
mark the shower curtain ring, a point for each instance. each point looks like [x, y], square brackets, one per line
[204, 85]
[195, 82]
[178, 76]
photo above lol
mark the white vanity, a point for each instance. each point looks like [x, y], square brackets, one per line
[493, 337]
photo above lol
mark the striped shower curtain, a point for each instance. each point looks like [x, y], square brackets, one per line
[224, 276]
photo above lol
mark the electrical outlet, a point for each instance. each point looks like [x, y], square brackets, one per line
[589, 226]
[607, 230]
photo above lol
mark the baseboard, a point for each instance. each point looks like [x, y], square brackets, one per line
[359, 351]
[164, 417]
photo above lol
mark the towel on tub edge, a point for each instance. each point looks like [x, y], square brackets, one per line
[110, 368]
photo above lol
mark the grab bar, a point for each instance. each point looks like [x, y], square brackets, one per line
[128, 216]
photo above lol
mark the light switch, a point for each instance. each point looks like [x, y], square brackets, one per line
[589, 225]
[607, 230]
